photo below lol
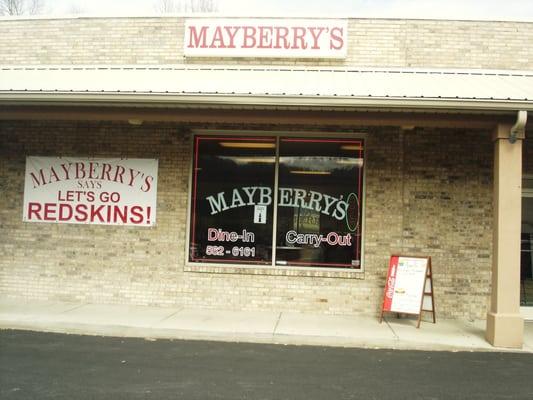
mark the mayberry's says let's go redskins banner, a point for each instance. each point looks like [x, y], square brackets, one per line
[91, 191]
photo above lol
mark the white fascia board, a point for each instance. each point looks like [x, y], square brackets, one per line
[251, 101]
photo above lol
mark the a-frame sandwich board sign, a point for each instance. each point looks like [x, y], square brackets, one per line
[409, 287]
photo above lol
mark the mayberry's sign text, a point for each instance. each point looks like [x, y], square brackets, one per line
[283, 38]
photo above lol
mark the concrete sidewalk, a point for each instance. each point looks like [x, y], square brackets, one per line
[246, 326]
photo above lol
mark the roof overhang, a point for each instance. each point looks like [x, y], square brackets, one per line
[261, 102]
[242, 87]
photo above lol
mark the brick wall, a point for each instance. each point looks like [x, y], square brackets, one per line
[372, 43]
[427, 192]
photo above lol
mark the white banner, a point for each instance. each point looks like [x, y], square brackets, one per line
[265, 37]
[90, 191]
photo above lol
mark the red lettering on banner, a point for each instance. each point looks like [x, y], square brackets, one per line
[298, 36]
[121, 214]
[148, 214]
[282, 37]
[92, 170]
[137, 213]
[231, 35]
[266, 34]
[265, 37]
[106, 197]
[75, 195]
[199, 38]
[49, 211]
[147, 184]
[106, 171]
[133, 176]
[38, 181]
[81, 213]
[65, 212]
[66, 170]
[63, 197]
[34, 209]
[89, 175]
[96, 211]
[119, 173]
[80, 171]
[108, 214]
[316, 36]
[87, 198]
[53, 174]
[249, 34]
[217, 37]
[62, 208]
[336, 36]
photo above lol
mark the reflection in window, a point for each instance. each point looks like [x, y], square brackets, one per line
[317, 199]
[319, 207]
[232, 208]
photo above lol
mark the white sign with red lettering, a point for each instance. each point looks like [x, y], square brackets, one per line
[262, 37]
[91, 191]
[405, 284]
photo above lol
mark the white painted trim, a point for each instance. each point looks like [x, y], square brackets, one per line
[244, 86]
[527, 313]
[251, 101]
[350, 16]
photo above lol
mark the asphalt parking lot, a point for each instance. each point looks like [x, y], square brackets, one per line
[55, 366]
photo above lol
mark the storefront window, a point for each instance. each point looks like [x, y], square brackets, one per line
[308, 191]
[233, 185]
[319, 204]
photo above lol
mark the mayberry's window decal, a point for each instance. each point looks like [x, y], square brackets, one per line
[314, 185]
[319, 206]
[233, 183]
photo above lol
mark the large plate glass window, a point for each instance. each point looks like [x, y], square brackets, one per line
[277, 201]
[232, 207]
[319, 205]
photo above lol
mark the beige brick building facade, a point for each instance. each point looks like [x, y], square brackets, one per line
[428, 191]
[372, 43]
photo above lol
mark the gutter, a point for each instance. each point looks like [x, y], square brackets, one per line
[518, 129]
[193, 100]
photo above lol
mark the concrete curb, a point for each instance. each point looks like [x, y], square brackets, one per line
[279, 339]
[284, 328]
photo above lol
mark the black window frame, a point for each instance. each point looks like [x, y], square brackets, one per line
[278, 136]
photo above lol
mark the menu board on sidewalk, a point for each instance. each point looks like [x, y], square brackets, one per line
[409, 286]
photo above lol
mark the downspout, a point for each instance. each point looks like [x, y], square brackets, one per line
[519, 127]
